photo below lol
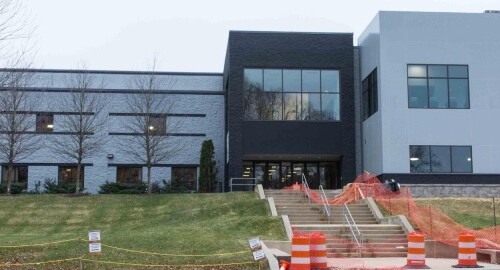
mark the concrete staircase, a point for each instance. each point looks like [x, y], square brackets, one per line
[379, 240]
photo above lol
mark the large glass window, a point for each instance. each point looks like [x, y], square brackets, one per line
[370, 95]
[20, 175]
[291, 94]
[129, 175]
[438, 86]
[184, 177]
[44, 122]
[440, 159]
[68, 174]
[158, 124]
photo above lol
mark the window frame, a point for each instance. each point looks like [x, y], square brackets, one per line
[16, 174]
[38, 123]
[299, 114]
[450, 147]
[371, 106]
[448, 79]
[195, 183]
[138, 182]
[73, 167]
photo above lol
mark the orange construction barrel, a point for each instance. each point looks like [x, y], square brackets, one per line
[467, 251]
[416, 251]
[300, 253]
[318, 251]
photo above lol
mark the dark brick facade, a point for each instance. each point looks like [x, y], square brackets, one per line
[289, 50]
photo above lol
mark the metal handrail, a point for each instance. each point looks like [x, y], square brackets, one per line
[326, 203]
[231, 183]
[306, 185]
[353, 227]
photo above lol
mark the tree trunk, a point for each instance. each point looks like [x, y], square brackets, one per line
[78, 174]
[150, 185]
[9, 178]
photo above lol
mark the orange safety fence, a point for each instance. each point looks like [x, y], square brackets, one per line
[427, 219]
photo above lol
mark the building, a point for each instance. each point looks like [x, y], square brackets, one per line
[411, 102]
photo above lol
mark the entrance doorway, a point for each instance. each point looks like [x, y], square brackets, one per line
[279, 174]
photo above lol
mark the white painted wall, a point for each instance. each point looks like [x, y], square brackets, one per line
[212, 125]
[438, 38]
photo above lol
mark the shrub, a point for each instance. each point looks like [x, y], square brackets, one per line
[208, 171]
[122, 188]
[15, 188]
[51, 186]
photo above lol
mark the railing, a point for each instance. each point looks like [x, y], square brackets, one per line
[306, 186]
[356, 234]
[247, 186]
[326, 204]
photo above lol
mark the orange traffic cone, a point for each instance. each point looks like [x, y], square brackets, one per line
[467, 251]
[416, 252]
[284, 265]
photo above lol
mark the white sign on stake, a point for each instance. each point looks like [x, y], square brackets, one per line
[259, 255]
[94, 236]
[95, 248]
[254, 243]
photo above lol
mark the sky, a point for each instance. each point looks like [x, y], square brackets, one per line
[191, 35]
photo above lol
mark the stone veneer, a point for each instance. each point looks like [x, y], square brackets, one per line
[454, 190]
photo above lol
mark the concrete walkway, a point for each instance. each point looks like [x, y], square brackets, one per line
[388, 263]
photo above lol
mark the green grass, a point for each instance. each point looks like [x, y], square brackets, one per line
[178, 224]
[473, 213]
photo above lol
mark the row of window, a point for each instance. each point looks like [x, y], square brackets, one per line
[291, 94]
[440, 159]
[45, 123]
[184, 177]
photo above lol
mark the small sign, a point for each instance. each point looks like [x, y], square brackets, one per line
[254, 243]
[95, 248]
[94, 236]
[259, 255]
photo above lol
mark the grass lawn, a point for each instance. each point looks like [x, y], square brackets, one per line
[473, 213]
[172, 223]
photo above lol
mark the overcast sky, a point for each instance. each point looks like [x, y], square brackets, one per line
[189, 35]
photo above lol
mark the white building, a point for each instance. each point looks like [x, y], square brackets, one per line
[437, 98]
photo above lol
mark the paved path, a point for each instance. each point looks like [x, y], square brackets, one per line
[382, 263]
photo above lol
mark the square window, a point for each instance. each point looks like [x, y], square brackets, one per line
[417, 93]
[253, 79]
[420, 159]
[184, 178]
[129, 175]
[330, 81]
[157, 125]
[20, 175]
[417, 71]
[438, 71]
[292, 81]
[68, 174]
[440, 159]
[45, 122]
[273, 80]
[461, 159]
[458, 72]
[311, 81]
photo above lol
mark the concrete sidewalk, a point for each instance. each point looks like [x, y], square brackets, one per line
[388, 263]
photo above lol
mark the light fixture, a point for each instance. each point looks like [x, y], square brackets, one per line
[50, 126]
[272, 170]
[414, 159]
[469, 159]
[68, 170]
[151, 127]
[297, 169]
[110, 156]
[246, 175]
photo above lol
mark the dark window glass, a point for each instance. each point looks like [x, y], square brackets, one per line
[158, 125]
[263, 106]
[286, 95]
[438, 93]
[247, 170]
[417, 71]
[129, 175]
[311, 106]
[253, 80]
[68, 174]
[445, 87]
[330, 81]
[330, 106]
[291, 105]
[273, 175]
[310, 80]
[420, 159]
[286, 173]
[292, 80]
[458, 72]
[272, 80]
[440, 159]
[184, 178]
[417, 91]
[370, 95]
[436, 71]
[461, 159]
[44, 122]
[459, 93]
[20, 175]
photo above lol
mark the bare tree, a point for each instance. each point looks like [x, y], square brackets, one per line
[18, 138]
[15, 26]
[83, 118]
[150, 124]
